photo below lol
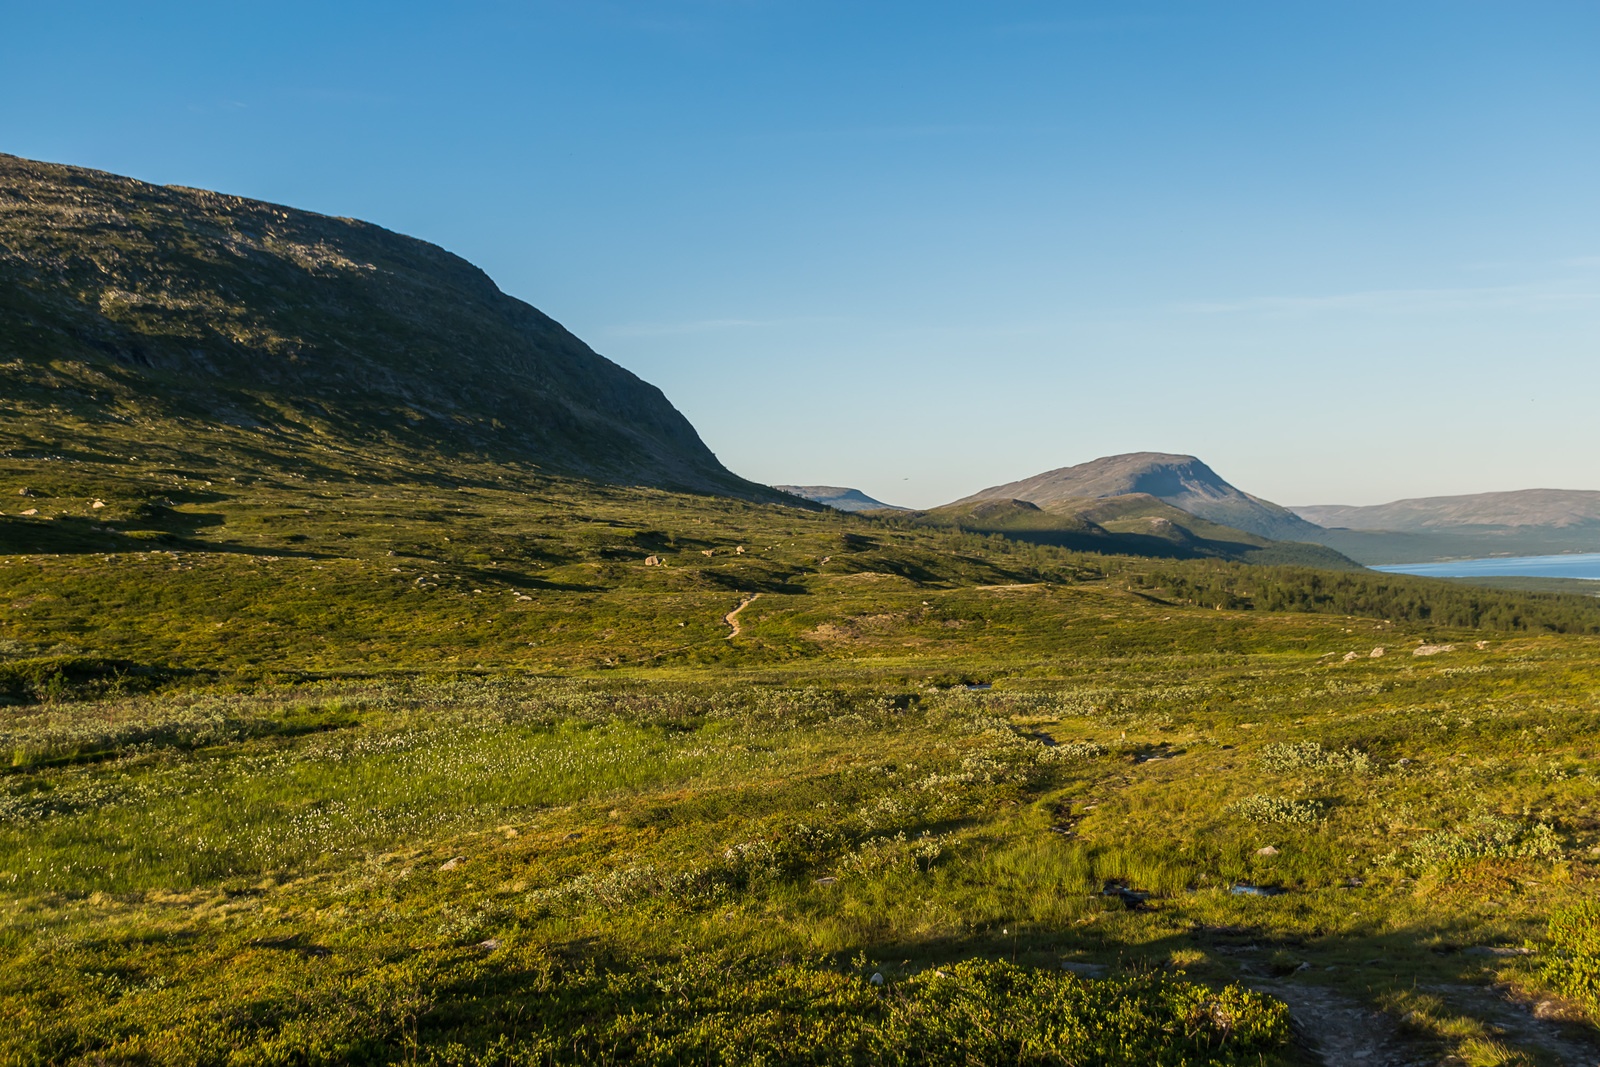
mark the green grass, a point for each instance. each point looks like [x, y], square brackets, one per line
[250, 730]
[255, 872]
[334, 730]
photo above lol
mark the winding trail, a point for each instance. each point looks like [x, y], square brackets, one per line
[732, 617]
[1342, 1032]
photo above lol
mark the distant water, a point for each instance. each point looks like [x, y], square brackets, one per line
[1585, 565]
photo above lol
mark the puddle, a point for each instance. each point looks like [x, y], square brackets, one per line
[1131, 898]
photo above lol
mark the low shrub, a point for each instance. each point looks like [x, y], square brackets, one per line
[1285, 811]
[1490, 837]
[1287, 758]
[1572, 962]
[972, 1012]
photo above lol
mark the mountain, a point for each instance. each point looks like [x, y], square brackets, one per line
[1136, 524]
[1529, 522]
[215, 324]
[838, 497]
[1555, 508]
[1180, 481]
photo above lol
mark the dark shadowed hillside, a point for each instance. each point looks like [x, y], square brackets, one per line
[264, 332]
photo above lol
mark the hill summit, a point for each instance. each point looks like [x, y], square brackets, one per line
[838, 497]
[271, 334]
[1183, 482]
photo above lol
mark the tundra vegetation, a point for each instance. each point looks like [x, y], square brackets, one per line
[337, 731]
[310, 769]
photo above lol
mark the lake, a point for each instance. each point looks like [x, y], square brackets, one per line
[1577, 565]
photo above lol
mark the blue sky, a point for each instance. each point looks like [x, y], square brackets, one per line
[1345, 252]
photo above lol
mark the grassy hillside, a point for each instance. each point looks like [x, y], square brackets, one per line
[447, 771]
[139, 319]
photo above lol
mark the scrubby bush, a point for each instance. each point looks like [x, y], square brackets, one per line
[1288, 757]
[1572, 962]
[1490, 837]
[971, 1012]
[1285, 811]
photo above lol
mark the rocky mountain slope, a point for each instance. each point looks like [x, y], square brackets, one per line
[838, 497]
[1183, 482]
[135, 315]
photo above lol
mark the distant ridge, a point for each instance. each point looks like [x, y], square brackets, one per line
[1183, 482]
[1556, 508]
[838, 497]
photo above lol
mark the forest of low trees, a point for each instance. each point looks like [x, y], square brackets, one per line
[1368, 594]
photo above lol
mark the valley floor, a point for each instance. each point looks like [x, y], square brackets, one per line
[495, 869]
[454, 777]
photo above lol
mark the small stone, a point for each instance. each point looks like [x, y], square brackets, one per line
[452, 864]
[31, 511]
[1267, 850]
[1088, 970]
[652, 561]
[489, 945]
[98, 504]
[1376, 653]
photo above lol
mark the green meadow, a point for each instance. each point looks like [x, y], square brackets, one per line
[503, 769]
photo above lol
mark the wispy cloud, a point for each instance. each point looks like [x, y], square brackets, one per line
[1538, 296]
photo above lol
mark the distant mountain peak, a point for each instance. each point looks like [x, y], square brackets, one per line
[1184, 482]
[838, 497]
